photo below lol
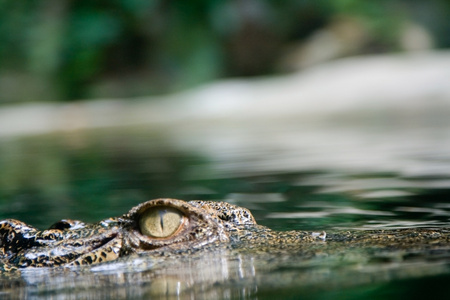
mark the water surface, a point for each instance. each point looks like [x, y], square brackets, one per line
[291, 177]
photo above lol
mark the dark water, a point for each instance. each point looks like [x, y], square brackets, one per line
[91, 176]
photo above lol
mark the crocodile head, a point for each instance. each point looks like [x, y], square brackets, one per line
[156, 226]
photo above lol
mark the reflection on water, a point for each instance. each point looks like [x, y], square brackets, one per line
[208, 277]
[291, 180]
[317, 271]
[326, 149]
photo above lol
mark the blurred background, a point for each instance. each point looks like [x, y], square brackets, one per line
[106, 104]
[71, 50]
[316, 115]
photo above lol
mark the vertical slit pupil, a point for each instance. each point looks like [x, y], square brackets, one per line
[160, 221]
[161, 218]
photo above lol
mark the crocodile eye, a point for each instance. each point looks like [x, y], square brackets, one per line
[161, 222]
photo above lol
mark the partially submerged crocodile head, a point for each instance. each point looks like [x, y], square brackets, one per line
[155, 227]
[165, 227]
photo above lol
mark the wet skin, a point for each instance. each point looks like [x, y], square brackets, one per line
[164, 226]
[157, 225]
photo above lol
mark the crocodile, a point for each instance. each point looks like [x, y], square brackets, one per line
[163, 227]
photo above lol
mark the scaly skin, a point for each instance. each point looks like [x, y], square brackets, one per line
[177, 226]
[70, 242]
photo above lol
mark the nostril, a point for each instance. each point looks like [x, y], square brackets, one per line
[68, 224]
[61, 225]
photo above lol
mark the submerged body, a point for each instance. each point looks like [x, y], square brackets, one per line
[163, 227]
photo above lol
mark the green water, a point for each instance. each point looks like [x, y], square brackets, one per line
[100, 174]
[103, 173]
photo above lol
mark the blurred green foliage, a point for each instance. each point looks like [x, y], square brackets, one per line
[66, 50]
